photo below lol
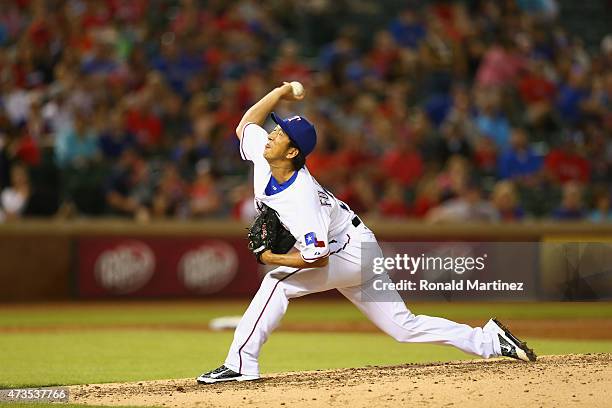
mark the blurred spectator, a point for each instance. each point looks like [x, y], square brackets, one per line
[601, 211]
[14, 199]
[202, 130]
[452, 143]
[358, 194]
[408, 30]
[204, 198]
[441, 55]
[115, 138]
[422, 133]
[535, 87]
[383, 56]
[5, 158]
[598, 148]
[490, 120]
[36, 126]
[288, 64]
[76, 146]
[402, 163]
[144, 123]
[336, 56]
[505, 200]
[572, 95]
[128, 188]
[485, 156]
[537, 93]
[56, 110]
[468, 206]
[174, 121]
[26, 148]
[242, 200]
[547, 9]
[169, 194]
[16, 101]
[392, 204]
[454, 177]
[427, 197]
[460, 113]
[571, 207]
[565, 164]
[100, 61]
[519, 161]
[501, 64]
[176, 64]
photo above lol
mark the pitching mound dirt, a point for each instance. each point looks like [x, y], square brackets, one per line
[553, 381]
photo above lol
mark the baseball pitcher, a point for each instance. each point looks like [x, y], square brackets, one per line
[316, 242]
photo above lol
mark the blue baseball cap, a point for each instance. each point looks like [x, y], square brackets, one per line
[301, 132]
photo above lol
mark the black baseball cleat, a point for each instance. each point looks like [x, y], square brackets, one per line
[224, 374]
[510, 345]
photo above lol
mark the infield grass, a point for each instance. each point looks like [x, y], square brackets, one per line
[300, 310]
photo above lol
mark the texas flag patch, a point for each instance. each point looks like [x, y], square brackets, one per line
[311, 239]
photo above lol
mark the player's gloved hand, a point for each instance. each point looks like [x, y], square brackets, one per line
[267, 232]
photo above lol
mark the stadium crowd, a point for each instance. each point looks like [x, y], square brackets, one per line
[478, 110]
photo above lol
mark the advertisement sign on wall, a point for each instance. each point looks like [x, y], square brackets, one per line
[164, 267]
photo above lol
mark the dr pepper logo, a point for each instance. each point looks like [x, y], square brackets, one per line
[209, 267]
[125, 268]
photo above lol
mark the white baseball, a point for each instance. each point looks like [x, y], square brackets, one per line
[297, 88]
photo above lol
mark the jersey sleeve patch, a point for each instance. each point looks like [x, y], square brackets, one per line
[311, 239]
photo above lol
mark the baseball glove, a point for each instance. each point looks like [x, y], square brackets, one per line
[267, 232]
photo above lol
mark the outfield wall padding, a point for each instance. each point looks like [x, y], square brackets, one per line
[59, 260]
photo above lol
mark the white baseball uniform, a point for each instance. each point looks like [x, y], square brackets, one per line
[325, 226]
